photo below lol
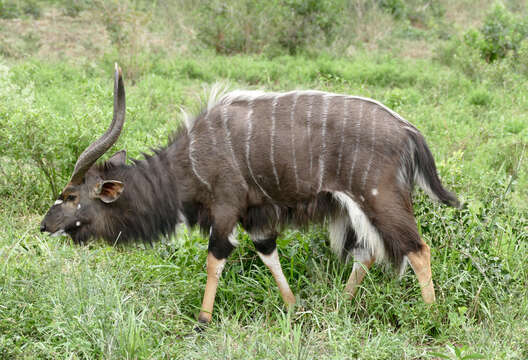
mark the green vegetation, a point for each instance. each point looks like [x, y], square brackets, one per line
[456, 69]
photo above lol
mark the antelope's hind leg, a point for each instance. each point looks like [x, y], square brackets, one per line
[266, 246]
[421, 265]
[393, 217]
[362, 263]
[345, 240]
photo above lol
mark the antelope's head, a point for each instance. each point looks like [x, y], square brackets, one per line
[79, 209]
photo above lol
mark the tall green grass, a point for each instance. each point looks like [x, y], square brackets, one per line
[61, 301]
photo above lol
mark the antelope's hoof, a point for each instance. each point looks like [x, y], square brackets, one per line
[200, 328]
[203, 321]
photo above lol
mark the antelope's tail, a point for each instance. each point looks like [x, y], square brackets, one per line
[425, 174]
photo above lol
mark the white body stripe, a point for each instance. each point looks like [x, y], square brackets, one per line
[367, 235]
[272, 140]
[324, 116]
[343, 125]
[193, 163]
[371, 152]
[309, 129]
[294, 157]
[249, 122]
[356, 146]
[229, 143]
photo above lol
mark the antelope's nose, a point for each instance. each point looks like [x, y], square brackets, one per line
[42, 228]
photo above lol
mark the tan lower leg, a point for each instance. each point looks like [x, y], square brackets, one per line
[356, 277]
[273, 263]
[214, 270]
[421, 264]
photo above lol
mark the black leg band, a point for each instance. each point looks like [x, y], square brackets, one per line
[266, 246]
[220, 246]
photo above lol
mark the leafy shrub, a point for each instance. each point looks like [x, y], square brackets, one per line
[397, 8]
[10, 9]
[308, 18]
[248, 26]
[499, 45]
[501, 33]
[276, 26]
[480, 97]
[416, 11]
[74, 7]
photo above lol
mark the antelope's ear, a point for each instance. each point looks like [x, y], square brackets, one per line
[108, 191]
[119, 158]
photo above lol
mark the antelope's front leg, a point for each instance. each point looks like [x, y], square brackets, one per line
[219, 249]
[267, 251]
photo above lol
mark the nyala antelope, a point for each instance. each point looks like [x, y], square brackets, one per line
[264, 161]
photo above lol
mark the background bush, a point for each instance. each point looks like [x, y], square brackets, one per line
[271, 26]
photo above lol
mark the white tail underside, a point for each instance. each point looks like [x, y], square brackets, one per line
[367, 236]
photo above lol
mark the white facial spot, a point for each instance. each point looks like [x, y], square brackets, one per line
[78, 206]
[78, 223]
[361, 197]
[374, 192]
[57, 202]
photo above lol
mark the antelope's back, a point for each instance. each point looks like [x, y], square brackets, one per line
[301, 142]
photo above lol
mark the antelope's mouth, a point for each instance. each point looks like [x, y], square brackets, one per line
[59, 232]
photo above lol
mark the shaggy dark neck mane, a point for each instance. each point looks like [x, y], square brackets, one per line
[149, 206]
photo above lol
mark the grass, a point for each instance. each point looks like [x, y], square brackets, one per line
[59, 301]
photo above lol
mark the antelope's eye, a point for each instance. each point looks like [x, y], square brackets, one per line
[71, 198]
